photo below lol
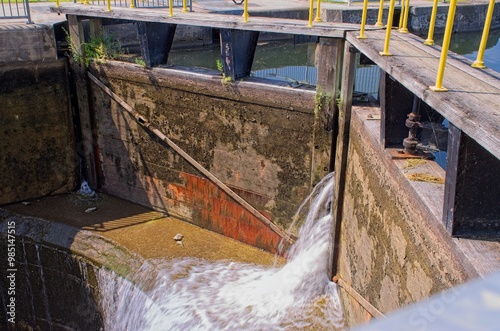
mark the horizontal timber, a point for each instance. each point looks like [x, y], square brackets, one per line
[472, 102]
[219, 21]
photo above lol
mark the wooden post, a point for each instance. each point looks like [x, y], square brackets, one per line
[156, 41]
[345, 108]
[86, 147]
[329, 52]
[237, 51]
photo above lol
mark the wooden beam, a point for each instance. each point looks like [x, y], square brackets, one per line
[219, 21]
[328, 60]
[345, 109]
[86, 147]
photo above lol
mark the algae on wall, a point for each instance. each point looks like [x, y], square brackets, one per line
[36, 131]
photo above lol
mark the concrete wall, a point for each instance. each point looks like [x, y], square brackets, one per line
[36, 130]
[393, 249]
[258, 139]
[26, 42]
[467, 18]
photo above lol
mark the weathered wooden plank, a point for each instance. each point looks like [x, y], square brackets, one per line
[204, 83]
[484, 255]
[276, 25]
[473, 97]
[344, 119]
[85, 147]
[329, 53]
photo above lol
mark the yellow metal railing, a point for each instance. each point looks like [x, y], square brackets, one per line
[403, 28]
[479, 63]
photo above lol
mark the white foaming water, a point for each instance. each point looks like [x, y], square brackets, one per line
[195, 294]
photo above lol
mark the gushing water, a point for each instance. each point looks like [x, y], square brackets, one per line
[195, 294]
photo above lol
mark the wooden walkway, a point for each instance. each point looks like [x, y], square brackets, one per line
[220, 21]
[472, 102]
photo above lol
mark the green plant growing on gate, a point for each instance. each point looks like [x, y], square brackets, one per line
[220, 67]
[321, 99]
[99, 49]
[140, 62]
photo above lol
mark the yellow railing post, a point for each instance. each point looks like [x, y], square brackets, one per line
[108, 2]
[132, 4]
[444, 51]
[86, 2]
[311, 9]
[402, 14]
[380, 14]
[404, 27]
[363, 21]
[57, 3]
[430, 36]
[245, 11]
[184, 6]
[171, 8]
[318, 18]
[385, 52]
[479, 63]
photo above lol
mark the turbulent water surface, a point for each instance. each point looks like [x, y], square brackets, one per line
[195, 294]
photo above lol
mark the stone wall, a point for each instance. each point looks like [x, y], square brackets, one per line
[393, 250]
[36, 130]
[257, 138]
[467, 17]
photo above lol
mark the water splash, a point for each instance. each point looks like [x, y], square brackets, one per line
[86, 190]
[195, 294]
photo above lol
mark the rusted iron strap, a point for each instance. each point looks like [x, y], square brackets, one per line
[145, 123]
[356, 296]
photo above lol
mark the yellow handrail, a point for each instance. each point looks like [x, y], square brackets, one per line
[380, 14]
[444, 51]
[171, 8]
[57, 3]
[363, 21]
[245, 11]
[404, 27]
[402, 14]
[385, 52]
[479, 63]
[318, 18]
[184, 6]
[430, 36]
[132, 4]
[311, 9]
[109, 5]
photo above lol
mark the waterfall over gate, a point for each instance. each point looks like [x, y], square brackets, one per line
[196, 294]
